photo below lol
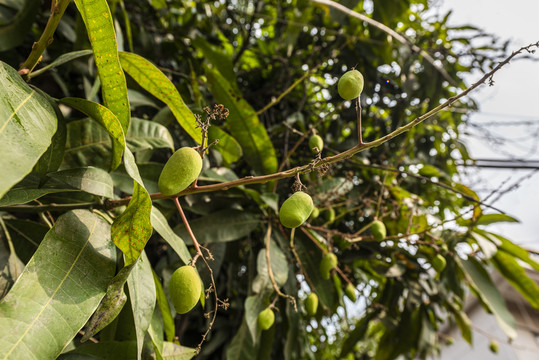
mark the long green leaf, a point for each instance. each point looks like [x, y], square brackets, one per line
[490, 295]
[516, 276]
[132, 229]
[27, 125]
[59, 289]
[156, 83]
[164, 306]
[107, 120]
[173, 351]
[253, 306]
[279, 266]
[142, 295]
[87, 144]
[242, 347]
[105, 350]
[244, 124]
[98, 20]
[514, 250]
[30, 189]
[60, 60]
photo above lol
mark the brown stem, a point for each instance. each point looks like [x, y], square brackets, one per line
[359, 130]
[270, 271]
[191, 234]
[58, 8]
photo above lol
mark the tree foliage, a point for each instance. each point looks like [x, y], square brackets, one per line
[89, 243]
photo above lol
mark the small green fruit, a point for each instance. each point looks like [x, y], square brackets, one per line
[266, 318]
[438, 263]
[329, 261]
[493, 347]
[330, 215]
[449, 341]
[184, 289]
[350, 85]
[180, 171]
[311, 304]
[296, 209]
[316, 141]
[378, 230]
[350, 291]
[315, 213]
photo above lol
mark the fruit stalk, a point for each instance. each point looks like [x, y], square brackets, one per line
[359, 130]
[191, 234]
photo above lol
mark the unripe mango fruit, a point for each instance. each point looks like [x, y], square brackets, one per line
[296, 209]
[181, 169]
[493, 346]
[350, 291]
[378, 230]
[316, 141]
[315, 213]
[350, 85]
[329, 261]
[266, 318]
[330, 214]
[438, 263]
[184, 289]
[311, 304]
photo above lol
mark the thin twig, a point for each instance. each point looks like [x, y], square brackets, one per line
[400, 38]
[58, 8]
[270, 271]
[191, 234]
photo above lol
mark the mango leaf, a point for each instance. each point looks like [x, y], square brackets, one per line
[149, 172]
[221, 226]
[173, 351]
[87, 144]
[110, 306]
[477, 212]
[358, 333]
[229, 147]
[100, 28]
[13, 33]
[156, 83]
[242, 347]
[107, 120]
[27, 125]
[60, 60]
[30, 189]
[89, 179]
[142, 295]
[514, 250]
[218, 58]
[164, 306]
[52, 158]
[132, 229]
[481, 282]
[516, 276]
[487, 247]
[59, 289]
[487, 219]
[279, 267]
[253, 306]
[244, 124]
[144, 134]
[160, 224]
[155, 331]
[105, 350]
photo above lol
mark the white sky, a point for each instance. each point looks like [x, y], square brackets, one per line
[515, 97]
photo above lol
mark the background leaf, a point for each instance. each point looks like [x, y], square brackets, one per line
[221, 226]
[13, 33]
[59, 289]
[89, 179]
[244, 124]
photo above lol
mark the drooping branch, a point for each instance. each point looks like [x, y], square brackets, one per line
[248, 180]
